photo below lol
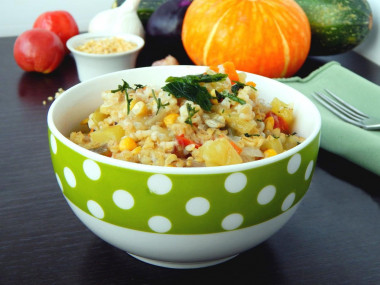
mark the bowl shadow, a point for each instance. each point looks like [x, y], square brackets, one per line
[105, 264]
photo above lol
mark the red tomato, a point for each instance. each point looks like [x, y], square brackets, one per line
[38, 50]
[59, 22]
[279, 122]
[182, 141]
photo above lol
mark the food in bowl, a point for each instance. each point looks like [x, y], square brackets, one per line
[106, 45]
[208, 119]
[180, 217]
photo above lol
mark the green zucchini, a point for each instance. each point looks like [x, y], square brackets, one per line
[145, 9]
[337, 26]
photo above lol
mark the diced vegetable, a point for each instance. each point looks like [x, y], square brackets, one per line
[274, 144]
[240, 125]
[279, 122]
[282, 109]
[270, 152]
[182, 141]
[139, 109]
[97, 117]
[127, 143]
[170, 119]
[236, 147]
[111, 133]
[219, 152]
[229, 69]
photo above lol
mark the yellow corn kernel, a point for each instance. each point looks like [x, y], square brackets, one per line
[170, 119]
[269, 152]
[136, 150]
[132, 104]
[127, 143]
[269, 123]
[140, 109]
[251, 83]
[214, 101]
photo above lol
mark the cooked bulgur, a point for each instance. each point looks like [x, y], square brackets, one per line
[197, 120]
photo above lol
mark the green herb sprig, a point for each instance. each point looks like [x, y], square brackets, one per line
[138, 86]
[191, 111]
[225, 94]
[124, 88]
[251, 135]
[189, 87]
[159, 102]
[239, 85]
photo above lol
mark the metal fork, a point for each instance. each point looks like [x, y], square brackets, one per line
[347, 112]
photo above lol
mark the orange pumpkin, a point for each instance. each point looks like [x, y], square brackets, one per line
[265, 37]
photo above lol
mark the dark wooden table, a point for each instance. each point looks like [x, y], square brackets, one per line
[334, 238]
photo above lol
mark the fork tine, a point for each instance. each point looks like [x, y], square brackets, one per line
[336, 105]
[352, 108]
[325, 101]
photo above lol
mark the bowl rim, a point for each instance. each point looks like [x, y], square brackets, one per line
[70, 44]
[177, 170]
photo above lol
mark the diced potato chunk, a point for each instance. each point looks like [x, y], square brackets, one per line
[219, 152]
[292, 141]
[273, 143]
[97, 117]
[111, 133]
[282, 109]
[240, 125]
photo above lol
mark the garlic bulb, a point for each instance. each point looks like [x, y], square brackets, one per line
[122, 19]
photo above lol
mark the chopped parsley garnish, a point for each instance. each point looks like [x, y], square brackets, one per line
[188, 87]
[251, 135]
[191, 111]
[198, 78]
[138, 86]
[238, 85]
[159, 102]
[124, 88]
[225, 94]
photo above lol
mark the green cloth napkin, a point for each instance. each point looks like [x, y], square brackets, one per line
[355, 144]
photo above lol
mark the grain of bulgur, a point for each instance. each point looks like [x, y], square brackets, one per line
[106, 46]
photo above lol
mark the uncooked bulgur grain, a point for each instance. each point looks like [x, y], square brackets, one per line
[106, 46]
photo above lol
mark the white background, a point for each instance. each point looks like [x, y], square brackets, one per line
[19, 15]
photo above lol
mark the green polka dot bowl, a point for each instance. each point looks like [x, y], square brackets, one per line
[180, 217]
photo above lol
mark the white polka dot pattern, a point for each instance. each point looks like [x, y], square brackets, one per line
[197, 206]
[309, 169]
[159, 184]
[266, 195]
[294, 163]
[59, 182]
[232, 221]
[123, 199]
[70, 177]
[95, 209]
[235, 182]
[159, 224]
[53, 144]
[288, 202]
[91, 169]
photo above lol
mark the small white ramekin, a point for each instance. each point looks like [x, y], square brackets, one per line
[91, 65]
